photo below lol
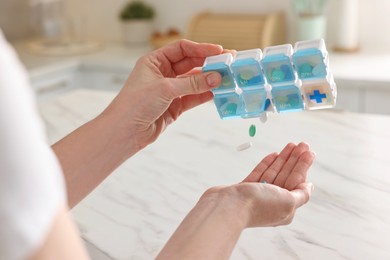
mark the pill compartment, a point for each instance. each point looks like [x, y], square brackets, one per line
[311, 59]
[227, 105]
[221, 63]
[280, 81]
[253, 103]
[287, 98]
[320, 93]
[277, 65]
[246, 69]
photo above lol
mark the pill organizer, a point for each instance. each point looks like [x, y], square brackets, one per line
[281, 79]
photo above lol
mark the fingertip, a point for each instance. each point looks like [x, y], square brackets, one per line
[213, 79]
[290, 145]
[287, 150]
[233, 52]
[272, 154]
[220, 47]
[305, 145]
[213, 49]
[308, 156]
[307, 148]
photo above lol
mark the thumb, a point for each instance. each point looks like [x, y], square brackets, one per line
[195, 83]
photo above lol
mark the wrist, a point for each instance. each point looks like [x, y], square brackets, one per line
[232, 202]
[118, 133]
[129, 124]
[211, 229]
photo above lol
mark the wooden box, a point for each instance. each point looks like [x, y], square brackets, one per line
[239, 31]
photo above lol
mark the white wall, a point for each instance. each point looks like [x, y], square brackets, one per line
[373, 24]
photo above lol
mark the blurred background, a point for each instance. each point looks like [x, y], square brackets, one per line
[48, 32]
[78, 53]
[99, 18]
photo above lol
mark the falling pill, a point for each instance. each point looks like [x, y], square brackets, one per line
[252, 130]
[263, 117]
[244, 146]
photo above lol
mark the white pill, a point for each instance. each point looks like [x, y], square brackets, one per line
[244, 146]
[263, 117]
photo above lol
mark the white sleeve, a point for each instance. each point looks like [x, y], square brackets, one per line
[31, 181]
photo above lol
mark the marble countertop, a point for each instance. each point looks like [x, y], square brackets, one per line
[134, 211]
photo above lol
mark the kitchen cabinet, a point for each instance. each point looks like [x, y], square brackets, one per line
[377, 98]
[363, 80]
[348, 99]
[100, 79]
[363, 96]
[53, 85]
[106, 69]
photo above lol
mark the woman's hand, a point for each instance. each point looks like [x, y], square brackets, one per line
[151, 99]
[275, 188]
[162, 86]
[214, 225]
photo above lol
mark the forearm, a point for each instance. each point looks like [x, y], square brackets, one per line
[90, 153]
[210, 231]
[62, 241]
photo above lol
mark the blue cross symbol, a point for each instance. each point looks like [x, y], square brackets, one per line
[317, 96]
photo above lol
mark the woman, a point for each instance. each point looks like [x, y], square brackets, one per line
[39, 183]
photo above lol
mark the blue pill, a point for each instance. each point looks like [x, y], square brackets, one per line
[305, 71]
[287, 71]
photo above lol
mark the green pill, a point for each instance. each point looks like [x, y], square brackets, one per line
[277, 75]
[226, 80]
[247, 74]
[252, 130]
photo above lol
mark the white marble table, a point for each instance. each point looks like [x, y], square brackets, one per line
[133, 213]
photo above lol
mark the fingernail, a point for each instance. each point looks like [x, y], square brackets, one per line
[213, 79]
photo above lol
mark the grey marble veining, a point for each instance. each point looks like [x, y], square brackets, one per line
[134, 212]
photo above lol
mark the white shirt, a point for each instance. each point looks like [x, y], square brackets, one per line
[31, 182]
